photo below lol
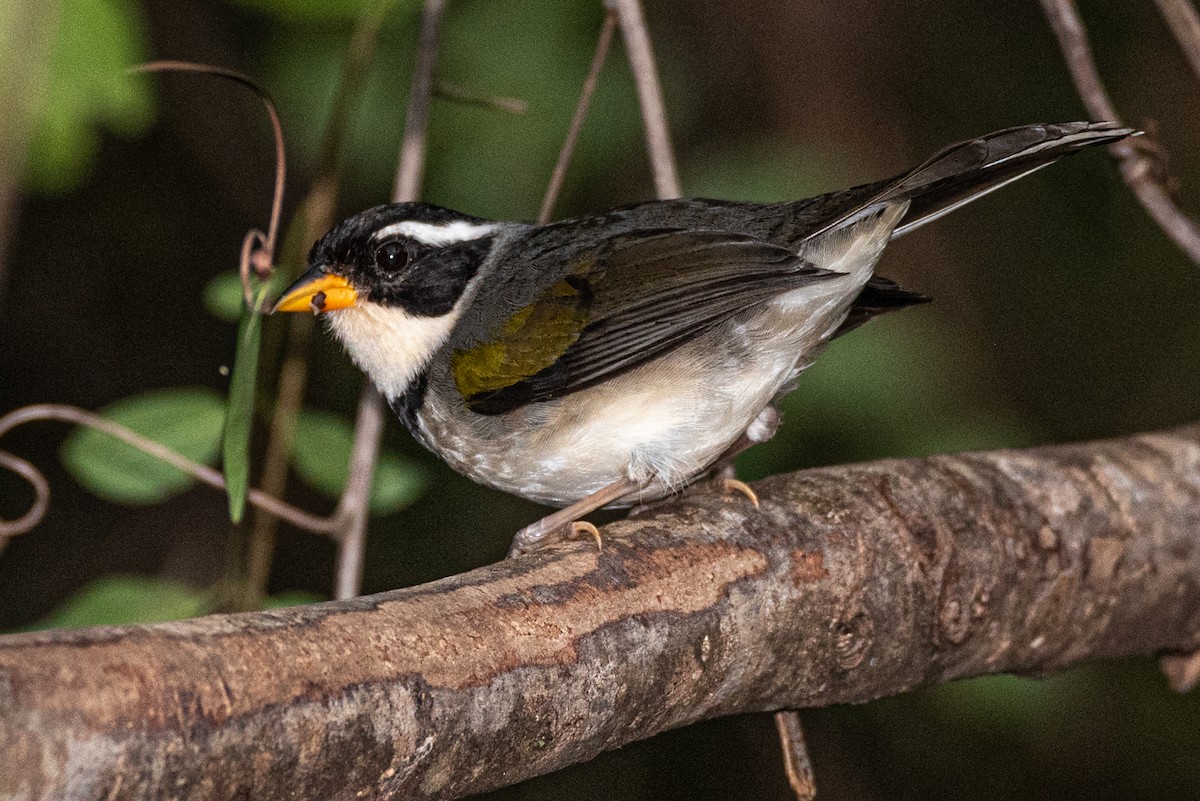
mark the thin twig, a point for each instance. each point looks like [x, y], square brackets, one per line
[796, 762]
[200, 472]
[41, 497]
[256, 261]
[353, 509]
[314, 218]
[1184, 22]
[1136, 169]
[258, 249]
[411, 169]
[581, 111]
[654, 114]
[458, 94]
[359, 55]
[1182, 670]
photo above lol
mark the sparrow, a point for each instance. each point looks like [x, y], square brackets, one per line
[614, 359]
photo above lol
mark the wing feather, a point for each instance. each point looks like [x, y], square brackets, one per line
[646, 293]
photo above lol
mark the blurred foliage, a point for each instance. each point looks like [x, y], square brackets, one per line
[322, 456]
[223, 297]
[122, 600]
[761, 171]
[88, 90]
[115, 600]
[543, 64]
[187, 420]
[314, 11]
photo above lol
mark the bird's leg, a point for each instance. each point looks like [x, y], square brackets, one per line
[760, 430]
[565, 522]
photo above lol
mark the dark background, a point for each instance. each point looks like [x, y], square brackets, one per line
[1062, 313]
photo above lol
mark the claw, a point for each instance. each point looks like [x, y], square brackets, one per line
[581, 527]
[733, 485]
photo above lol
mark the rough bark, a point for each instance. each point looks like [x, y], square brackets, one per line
[849, 584]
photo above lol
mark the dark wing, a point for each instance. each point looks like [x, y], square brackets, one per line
[642, 294]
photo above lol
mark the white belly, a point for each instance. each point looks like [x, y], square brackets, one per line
[661, 425]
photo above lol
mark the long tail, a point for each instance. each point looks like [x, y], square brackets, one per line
[968, 170]
[971, 169]
[956, 176]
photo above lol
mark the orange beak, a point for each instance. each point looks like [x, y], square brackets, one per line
[317, 291]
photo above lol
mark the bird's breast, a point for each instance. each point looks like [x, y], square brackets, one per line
[663, 423]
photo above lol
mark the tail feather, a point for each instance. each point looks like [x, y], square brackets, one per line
[878, 296]
[969, 170]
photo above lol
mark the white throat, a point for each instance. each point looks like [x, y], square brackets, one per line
[388, 344]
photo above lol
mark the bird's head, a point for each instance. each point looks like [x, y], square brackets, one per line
[390, 281]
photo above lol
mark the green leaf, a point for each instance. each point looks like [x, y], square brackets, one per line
[397, 484]
[115, 600]
[187, 420]
[239, 417]
[88, 89]
[321, 454]
[223, 297]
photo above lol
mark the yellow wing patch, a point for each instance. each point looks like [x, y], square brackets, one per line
[532, 340]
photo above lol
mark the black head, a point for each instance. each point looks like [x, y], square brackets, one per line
[414, 256]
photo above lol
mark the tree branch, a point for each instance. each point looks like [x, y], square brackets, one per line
[559, 175]
[1137, 169]
[1184, 22]
[851, 583]
[650, 97]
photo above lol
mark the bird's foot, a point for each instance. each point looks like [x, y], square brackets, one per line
[536, 536]
[565, 523]
[732, 485]
[720, 480]
[727, 483]
[546, 532]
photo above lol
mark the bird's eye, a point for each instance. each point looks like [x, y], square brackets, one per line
[391, 256]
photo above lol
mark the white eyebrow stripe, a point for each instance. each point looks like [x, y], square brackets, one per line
[437, 233]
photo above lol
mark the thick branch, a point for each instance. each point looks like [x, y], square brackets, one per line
[851, 583]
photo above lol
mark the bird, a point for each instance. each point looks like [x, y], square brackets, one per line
[614, 359]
